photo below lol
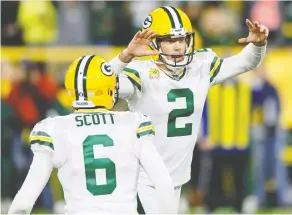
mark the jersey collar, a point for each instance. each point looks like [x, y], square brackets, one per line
[95, 110]
[177, 77]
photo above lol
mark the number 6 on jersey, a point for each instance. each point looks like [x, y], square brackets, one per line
[92, 164]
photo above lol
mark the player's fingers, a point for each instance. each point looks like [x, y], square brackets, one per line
[153, 35]
[243, 40]
[137, 35]
[256, 24]
[148, 34]
[266, 30]
[249, 24]
[143, 33]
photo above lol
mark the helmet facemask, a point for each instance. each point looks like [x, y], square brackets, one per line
[116, 91]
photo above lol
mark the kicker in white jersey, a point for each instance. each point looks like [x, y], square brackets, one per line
[175, 103]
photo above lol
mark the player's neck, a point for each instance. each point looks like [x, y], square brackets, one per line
[166, 70]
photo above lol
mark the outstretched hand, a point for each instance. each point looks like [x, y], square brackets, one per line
[258, 34]
[138, 47]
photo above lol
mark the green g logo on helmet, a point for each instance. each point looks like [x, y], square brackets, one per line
[147, 22]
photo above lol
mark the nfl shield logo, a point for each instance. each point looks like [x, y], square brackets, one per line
[154, 73]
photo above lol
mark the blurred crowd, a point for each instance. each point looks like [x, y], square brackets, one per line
[237, 160]
[114, 23]
[243, 152]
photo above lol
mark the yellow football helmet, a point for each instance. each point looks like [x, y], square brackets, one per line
[171, 22]
[91, 82]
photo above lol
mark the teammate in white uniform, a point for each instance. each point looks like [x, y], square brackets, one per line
[98, 152]
[172, 88]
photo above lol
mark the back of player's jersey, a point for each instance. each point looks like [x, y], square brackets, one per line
[98, 167]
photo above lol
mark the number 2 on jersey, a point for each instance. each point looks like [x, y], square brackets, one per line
[91, 164]
[172, 130]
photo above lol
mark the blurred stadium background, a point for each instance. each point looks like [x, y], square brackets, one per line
[41, 38]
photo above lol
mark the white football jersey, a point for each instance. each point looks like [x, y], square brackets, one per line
[175, 104]
[175, 107]
[96, 154]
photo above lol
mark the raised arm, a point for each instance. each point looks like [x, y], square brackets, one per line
[138, 47]
[249, 58]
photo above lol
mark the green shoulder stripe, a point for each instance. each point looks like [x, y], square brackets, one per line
[42, 138]
[145, 124]
[215, 67]
[134, 77]
[43, 143]
[202, 50]
[145, 132]
[40, 133]
[213, 63]
[145, 128]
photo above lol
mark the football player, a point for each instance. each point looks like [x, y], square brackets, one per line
[172, 87]
[98, 152]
